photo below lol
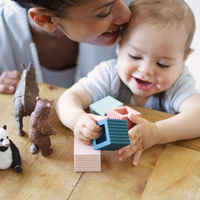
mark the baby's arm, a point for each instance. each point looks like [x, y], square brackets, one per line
[145, 134]
[183, 126]
[70, 110]
[9, 81]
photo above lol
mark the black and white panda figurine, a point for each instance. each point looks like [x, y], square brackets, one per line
[9, 153]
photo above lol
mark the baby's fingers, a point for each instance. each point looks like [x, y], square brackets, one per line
[84, 141]
[82, 138]
[123, 149]
[135, 119]
[125, 152]
[90, 134]
[136, 158]
[92, 126]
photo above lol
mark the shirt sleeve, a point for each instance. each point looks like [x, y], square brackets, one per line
[15, 37]
[102, 81]
[183, 88]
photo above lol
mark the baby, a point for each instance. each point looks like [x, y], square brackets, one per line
[150, 72]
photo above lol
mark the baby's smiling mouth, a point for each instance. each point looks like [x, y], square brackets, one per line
[141, 82]
[143, 85]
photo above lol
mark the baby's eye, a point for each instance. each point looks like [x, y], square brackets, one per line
[162, 65]
[134, 57]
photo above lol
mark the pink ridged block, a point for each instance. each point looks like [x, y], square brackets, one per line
[86, 159]
[122, 113]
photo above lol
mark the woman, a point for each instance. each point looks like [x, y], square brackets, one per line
[42, 38]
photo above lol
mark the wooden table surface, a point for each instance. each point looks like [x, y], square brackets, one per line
[169, 171]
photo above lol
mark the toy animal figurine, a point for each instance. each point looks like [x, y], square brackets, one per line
[9, 153]
[40, 127]
[24, 99]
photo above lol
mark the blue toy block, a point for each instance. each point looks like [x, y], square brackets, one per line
[114, 135]
[100, 107]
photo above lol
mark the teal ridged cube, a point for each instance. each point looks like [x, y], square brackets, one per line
[114, 135]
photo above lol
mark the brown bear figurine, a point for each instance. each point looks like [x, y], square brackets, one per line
[40, 127]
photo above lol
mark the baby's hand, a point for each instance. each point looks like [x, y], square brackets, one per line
[9, 81]
[86, 128]
[142, 136]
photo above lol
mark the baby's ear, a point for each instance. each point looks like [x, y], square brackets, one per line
[190, 52]
[43, 18]
[118, 44]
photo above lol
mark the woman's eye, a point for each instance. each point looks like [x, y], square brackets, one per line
[134, 57]
[163, 66]
[106, 15]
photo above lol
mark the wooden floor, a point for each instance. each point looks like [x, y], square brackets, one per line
[164, 172]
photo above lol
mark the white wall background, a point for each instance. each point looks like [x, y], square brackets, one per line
[193, 62]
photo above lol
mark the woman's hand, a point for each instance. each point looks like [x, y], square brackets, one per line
[9, 81]
[142, 136]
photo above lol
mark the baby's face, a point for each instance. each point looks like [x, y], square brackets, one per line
[150, 59]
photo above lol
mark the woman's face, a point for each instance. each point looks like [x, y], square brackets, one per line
[95, 21]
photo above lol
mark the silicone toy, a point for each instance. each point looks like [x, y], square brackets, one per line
[122, 113]
[9, 153]
[40, 127]
[86, 159]
[114, 135]
[100, 107]
[24, 98]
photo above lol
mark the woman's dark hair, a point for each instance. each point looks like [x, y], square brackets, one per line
[56, 7]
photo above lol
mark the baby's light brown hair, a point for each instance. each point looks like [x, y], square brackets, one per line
[171, 14]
